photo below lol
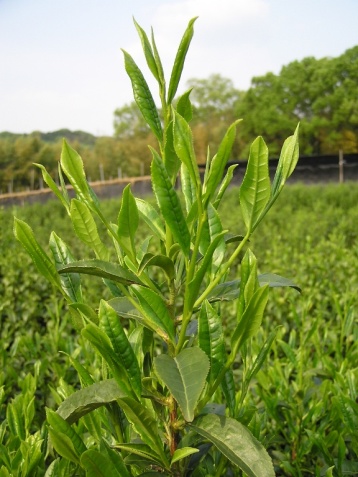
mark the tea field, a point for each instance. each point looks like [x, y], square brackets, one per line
[302, 404]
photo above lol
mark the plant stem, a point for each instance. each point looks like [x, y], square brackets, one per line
[222, 273]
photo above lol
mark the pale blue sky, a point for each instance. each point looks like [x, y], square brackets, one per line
[61, 63]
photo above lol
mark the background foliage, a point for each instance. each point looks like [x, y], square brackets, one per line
[320, 93]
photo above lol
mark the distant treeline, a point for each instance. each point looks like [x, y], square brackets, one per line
[320, 94]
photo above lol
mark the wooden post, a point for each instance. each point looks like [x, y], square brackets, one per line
[119, 173]
[101, 172]
[341, 167]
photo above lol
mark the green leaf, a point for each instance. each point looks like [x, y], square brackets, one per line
[15, 418]
[228, 291]
[60, 425]
[184, 106]
[140, 449]
[183, 145]
[193, 287]
[189, 191]
[70, 282]
[211, 338]
[128, 219]
[250, 320]
[217, 166]
[110, 322]
[171, 160]
[274, 280]
[255, 189]
[148, 52]
[179, 60]
[64, 445]
[25, 236]
[156, 312]
[53, 186]
[97, 337]
[86, 228]
[88, 399]
[145, 425]
[72, 166]
[224, 185]
[97, 464]
[180, 454]
[158, 63]
[151, 218]
[184, 376]
[100, 268]
[162, 261]
[143, 96]
[236, 443]
[286, 164]
[169, 203]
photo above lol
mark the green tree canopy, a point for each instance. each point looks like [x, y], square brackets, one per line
[321, 94]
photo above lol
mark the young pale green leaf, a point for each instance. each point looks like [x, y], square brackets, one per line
[145, 425]
[255, 189]
[156, 312]
[171, 160]
[251, 319]
[88, 399]
[184, 376]
[71, 282]
[25, 236]
[249, 281]
[148, 52]
[236, 443]
[193, 288]
[182, 453]
[169, 203]
[58, 424]
[211, 338]
[184, 106]
[179, 60]
[151, 218]
[84, 375]
[97, 464]
[86, 311]
[286, 164]
[15, 418]
[98, 338]
[128, 219]
[162, 261]
[53, 186]
[183, 145]
[189, 192]
[86, 228]
[72, 165]
[63, 445]
[158, 63]
[143, 97]
[217, 165]
[103, 269]
[224, 185]
[110, 322]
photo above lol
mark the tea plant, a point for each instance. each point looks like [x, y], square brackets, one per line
[163, 399]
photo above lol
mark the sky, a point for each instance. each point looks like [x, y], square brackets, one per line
[61, 64]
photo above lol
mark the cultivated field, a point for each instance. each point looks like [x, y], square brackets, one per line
[305, 394]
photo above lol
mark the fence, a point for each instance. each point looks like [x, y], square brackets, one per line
[309, 170]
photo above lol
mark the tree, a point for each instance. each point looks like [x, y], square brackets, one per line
[129, 122]
[322, 94]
